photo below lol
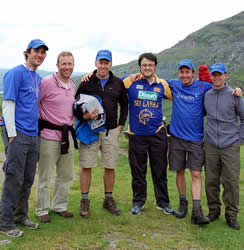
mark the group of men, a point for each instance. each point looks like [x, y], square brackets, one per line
[191, 99]
[33, 106]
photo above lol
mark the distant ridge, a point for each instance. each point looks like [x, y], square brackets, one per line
[42, 73]
[221, 41]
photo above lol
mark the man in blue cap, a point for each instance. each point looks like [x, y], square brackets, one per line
[223, 136]
[20, 111]
[186, 142]
[111, 90]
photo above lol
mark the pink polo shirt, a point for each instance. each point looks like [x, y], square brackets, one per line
[56, 105]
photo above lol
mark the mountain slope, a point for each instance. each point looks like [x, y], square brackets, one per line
[221, 41]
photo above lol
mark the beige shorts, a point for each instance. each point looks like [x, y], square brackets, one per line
[109, 147]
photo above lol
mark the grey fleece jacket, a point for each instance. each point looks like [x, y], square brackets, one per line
[223, 109]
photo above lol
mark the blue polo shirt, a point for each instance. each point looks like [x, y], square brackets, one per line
[188, 110]
[23, 87]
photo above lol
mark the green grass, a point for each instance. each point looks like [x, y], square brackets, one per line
[150, 230]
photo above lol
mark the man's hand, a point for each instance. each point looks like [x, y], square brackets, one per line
[11, 139]
[120, 128]
[237, 92]
[86, 77]
[90, 115]
[134, 77]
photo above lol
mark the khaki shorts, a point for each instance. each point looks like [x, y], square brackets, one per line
[109, 147]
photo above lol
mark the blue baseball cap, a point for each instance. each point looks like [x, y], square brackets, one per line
[219, 67]
[36, 43]
[187, 63]
[104, 54]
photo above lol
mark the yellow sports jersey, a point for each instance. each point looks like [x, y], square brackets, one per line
[145, 105]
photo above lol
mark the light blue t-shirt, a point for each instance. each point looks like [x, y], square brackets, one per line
[188, 110]
[22, 86]
[103, 82]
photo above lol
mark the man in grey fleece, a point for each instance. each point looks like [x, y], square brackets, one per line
[223, 136]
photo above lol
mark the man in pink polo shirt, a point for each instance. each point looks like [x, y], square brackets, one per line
[56, 145]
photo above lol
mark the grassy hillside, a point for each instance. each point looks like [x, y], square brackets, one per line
[152, 229]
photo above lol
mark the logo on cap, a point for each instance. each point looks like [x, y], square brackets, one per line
[104, 54]
[36, 43]
[186, 62]
[218, 67]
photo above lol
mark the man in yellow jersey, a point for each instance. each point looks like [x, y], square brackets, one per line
[147, 135]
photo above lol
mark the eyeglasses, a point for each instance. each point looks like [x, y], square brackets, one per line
[150, 65]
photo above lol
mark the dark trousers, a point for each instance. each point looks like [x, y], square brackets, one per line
[223, 167]
[22, 155]
[155, 147]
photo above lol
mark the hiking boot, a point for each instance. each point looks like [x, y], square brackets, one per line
[166, 209]
[44, 218]
[233, 223]
[84, 208]
[213, 216]
[65, 214]
[136, 209]
[197, 217]
[110, 205]
[182, 210]
[29, 224]
[14, 233]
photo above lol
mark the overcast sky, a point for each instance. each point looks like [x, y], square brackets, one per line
[127, 27]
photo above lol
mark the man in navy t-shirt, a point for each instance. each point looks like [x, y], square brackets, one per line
[20, 134]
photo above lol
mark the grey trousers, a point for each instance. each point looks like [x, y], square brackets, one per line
[20, 166]
[223, 167]
[50, 158]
